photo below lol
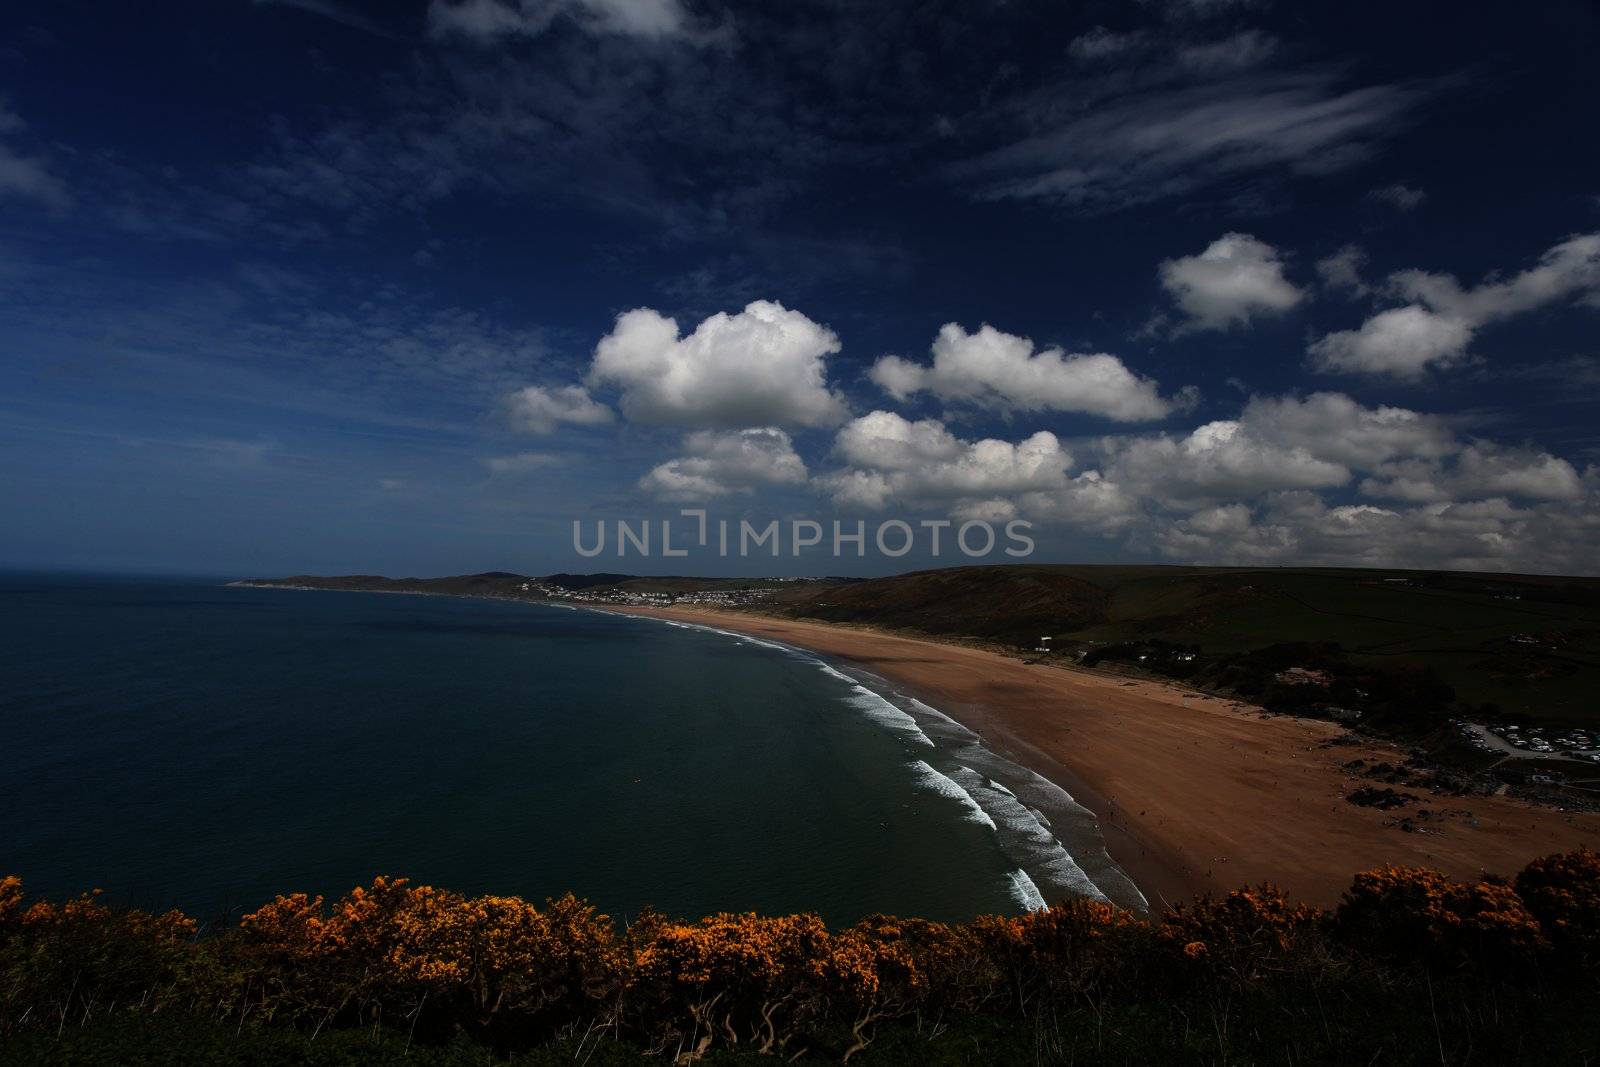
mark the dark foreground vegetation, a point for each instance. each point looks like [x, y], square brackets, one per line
[1410, 968]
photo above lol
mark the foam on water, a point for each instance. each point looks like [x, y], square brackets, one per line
[885, 714]
[945, 786]
[1016, 813]
[1026, 892]
[1026, 836]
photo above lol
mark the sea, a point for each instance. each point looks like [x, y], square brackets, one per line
[183, 743]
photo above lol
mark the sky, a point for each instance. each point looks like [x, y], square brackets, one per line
[315, 286]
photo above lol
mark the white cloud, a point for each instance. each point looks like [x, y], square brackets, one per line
[1089, 501]
[1478, 471]
[727, 461]
[892, 459]
[1003, 371]
[1492, 534]
[485, 20]
[1402, 342]
[883, 440]
[1487, 471]
[1342, 270]
[1570, 269]
[1333, 427]
[540, 409]
[766, 366]
[1221, 459]
[1400, 197]
[1236, 279]
[1273, 485]
[1276, 444]
[1438, 323]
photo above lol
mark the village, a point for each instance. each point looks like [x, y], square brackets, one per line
[611, 595]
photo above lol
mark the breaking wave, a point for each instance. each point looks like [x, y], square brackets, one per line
[1020, 814]
[945, 786]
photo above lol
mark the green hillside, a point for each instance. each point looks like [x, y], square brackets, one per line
[1529, 644]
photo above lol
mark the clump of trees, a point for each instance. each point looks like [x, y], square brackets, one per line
[1406, 698]
[434, 966]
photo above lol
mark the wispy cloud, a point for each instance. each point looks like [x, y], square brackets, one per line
[1166, 142]
[26, 177]
[1399, 196]
[488, 20]
[336, 12]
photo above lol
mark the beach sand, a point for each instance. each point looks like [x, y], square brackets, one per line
[1194, 793]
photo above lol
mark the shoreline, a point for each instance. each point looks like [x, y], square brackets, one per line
[1193, 793]
[1162, 878]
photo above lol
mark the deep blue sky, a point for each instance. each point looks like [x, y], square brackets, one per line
[311, 285]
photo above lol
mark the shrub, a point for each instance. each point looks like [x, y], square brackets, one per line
[1418, 913]
[734, 978]
[1563, 892]
[74, 959]
[1249, 935]
[1074, 949]
[436, 966]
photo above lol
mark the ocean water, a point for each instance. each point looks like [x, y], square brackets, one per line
[181, 743]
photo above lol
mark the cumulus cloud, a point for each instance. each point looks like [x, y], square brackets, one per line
[1402, 342]
[486, 20]
[730, 461]
[1001, 370]
[1480, 469]
[766, 366]
[1436, 325]
[1236, 279]
[1224, 458]
[1257, 489]
[891, 459]
[1333, 427]
[890, 442]
[1318, 479]
[1492, 534]
[540, 409]
[1276, 444]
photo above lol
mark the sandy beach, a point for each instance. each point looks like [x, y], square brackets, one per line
[1194, 793]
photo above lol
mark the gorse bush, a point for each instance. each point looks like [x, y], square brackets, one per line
[1416, 913]
[1563, 893]
[435, 966]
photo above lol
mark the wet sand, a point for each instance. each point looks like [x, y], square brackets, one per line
[1194, 793]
